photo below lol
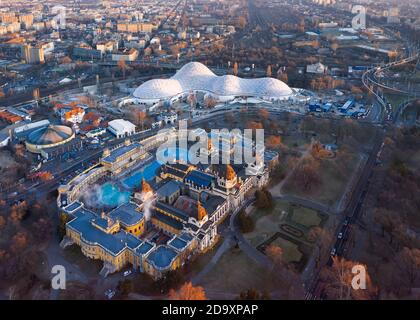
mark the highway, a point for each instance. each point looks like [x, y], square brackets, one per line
[372, 85]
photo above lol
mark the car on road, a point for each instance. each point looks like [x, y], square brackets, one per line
[109, 293]
[333, 252]
[340, 235]
[127, 273]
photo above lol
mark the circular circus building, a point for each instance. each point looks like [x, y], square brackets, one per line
[48, 137]
[196, 77]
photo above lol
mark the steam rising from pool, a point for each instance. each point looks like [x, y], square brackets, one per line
[147, 199]
[106, 195]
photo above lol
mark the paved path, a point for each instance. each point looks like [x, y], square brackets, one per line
[228, 243]
[55, 257]
[232, 236]
[244, 245]
[314, 205]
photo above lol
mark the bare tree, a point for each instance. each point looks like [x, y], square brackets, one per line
[275, 254]
[409, 262]
[122, 65]
[323, 238]
[338, 281]
[188, 292]
[269, 72]
[388, 220]
[235, 68]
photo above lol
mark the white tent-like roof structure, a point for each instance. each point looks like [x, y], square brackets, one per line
[195, 76]
[121, 126]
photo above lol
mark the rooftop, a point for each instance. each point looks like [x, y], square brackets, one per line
[195, 76]
[178, 243]
[144, 248]
[50, 135]
[172, 210]
[168, 220]
[169, 188]
[162, 257]
[199, 178]
[112, 243]
[126, 214]
[116, 153]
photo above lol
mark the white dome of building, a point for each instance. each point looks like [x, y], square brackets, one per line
[158, 89]
[228, 85]
[193, 69]
[195, 76]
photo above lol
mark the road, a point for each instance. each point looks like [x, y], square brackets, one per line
[81, 164]
[372, 85]
[352, 212]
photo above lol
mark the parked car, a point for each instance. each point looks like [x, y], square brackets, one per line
[109, 293]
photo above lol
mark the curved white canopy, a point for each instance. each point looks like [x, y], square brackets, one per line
[195, 76]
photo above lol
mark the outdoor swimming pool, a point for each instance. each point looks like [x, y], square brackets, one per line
[172, 154]
[110, 195]
[149, 171]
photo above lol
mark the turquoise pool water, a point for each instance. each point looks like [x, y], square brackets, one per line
[111, 196]
[148, 173]
[172, 154]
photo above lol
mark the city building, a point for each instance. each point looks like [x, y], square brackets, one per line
[33, 54]
[317, 68]
[168, 117]
[70, 113]
[87, 52]
[196, 77]
[125, 55]
[123, 157]
[160, 227]
[121, 128]
[48, 137]
[135, 27]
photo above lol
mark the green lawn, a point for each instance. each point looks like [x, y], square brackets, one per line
[268, 231]
[395, 100]
[334, 175]
[235, 272]
[291, 251]
[306, 217]
[267, 222]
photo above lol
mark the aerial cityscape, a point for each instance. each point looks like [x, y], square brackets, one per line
[209, 150]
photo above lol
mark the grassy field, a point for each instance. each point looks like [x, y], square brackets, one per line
[276, 227]
[235, 272]
[291, 251]
[395, 100]
[306, 217]
[334, 176]
[267, 222]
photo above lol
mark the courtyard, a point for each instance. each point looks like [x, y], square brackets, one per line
[287, 226]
